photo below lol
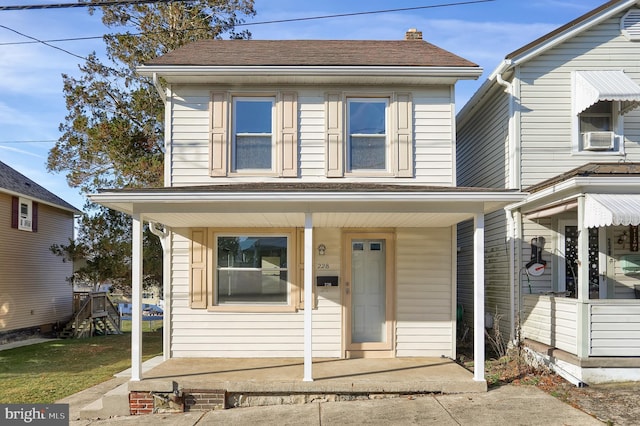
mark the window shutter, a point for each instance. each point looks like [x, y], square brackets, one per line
[334, 131]
[289, 148]
[219, 134]
[403, 150]
[15, 206]
[198, 269]
[34, 217]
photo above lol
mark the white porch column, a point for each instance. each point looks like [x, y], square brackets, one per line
[136, 298]
[308, 297]
[478, 297]
[583, 284]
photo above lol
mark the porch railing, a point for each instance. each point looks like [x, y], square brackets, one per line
[613, 324]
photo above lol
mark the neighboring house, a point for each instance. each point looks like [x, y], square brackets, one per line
[310, 201]
[35, 295]
[559, 119]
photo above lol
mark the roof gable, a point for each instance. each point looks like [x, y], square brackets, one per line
[14, 182]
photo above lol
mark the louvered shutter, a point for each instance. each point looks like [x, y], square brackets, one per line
[34, 216]
[218, 160]
[15, 214]
[404, 135]
[198, 269]
[334, 135]
[289, 135]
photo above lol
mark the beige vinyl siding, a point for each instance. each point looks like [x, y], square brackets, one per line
[199, 333]
[425, 319]
[546, 100]
[33, 286]
[615, 328]
[482, 142]
[550, 320]
[432, 134]
[496, 272]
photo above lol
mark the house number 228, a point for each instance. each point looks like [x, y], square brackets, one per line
[323, 266]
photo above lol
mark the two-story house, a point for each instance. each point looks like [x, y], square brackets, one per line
[35, 296]
[310, 201]
[559, 119]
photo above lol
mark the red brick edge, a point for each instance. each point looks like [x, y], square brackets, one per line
[140, 403]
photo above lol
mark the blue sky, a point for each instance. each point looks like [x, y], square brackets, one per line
[32, 105]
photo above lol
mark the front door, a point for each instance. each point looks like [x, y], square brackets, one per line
[368, 295]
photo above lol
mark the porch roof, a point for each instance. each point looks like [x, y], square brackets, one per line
[611, 209]
[285, 204]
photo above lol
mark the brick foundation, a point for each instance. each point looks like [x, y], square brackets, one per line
[204, 399]
[140, 403]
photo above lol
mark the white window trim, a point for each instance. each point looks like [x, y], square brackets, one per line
[292, 290]
[617, 126]
[233, 168]
[25, 222]
[387, 137]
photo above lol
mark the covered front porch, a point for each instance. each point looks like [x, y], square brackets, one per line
[579, 310]
[399, 218]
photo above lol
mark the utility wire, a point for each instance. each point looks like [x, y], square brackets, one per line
[246, 24]
[84, 4]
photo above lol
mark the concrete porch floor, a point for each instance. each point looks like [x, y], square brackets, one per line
[335, 376]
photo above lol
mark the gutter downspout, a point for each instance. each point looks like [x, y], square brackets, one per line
[159, 89]
[513, 181]
[165, 242]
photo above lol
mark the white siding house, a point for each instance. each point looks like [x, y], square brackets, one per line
[310, 201]
[35, 295]
[559, 119]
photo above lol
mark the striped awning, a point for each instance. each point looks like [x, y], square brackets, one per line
[610, 85]
[611, 209]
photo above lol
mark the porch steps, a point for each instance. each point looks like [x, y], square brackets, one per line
[113, 403]
[116, 401]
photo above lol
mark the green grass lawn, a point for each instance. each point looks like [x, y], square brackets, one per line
[46, 372]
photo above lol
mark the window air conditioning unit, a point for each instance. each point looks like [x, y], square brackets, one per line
[25, 223]
[598, 141]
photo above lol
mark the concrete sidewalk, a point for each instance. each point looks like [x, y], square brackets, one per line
[513, 405]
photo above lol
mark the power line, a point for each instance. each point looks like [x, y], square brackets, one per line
[246, 24]
[88, 4]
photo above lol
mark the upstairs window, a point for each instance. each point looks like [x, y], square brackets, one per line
[367, 134]
[597, 127]
[253, 134]
[245, 131]
[24, 214]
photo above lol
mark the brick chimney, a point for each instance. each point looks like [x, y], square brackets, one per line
[413, 34]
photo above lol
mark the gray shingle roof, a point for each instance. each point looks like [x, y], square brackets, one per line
[15, 182]
[311, 53]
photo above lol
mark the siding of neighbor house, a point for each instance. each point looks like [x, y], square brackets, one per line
[33, 285]
[545, 127]
[423, 328]
[546, 100]
[433, 111]
[482, 140]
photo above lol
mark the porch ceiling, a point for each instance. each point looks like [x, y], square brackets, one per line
[384, 206]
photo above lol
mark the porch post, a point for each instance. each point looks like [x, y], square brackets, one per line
[136, 299]
[478, 297]
[583, 284]
[308, 297]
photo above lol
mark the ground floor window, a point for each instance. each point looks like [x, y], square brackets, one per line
[252, 269]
